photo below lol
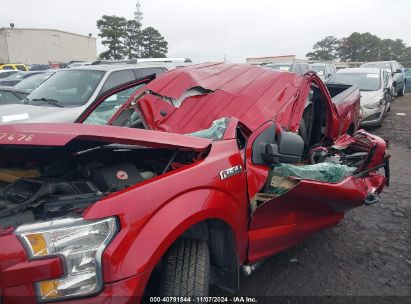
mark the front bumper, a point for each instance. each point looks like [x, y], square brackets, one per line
[372, 117]
[125, 291]
[18, 274]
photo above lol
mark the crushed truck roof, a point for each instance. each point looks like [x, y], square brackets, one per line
[252, 94]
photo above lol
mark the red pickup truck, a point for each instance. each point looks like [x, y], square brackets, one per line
[202, 172]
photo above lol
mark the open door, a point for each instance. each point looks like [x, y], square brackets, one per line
[294, 192]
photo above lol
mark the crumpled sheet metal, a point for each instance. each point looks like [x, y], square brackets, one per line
[252, 94]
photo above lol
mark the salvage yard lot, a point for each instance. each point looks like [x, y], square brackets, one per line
[368, 253]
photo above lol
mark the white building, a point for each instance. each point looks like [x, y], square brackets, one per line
[42, 46]
[271, 59]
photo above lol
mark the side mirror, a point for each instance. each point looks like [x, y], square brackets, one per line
[288, 149]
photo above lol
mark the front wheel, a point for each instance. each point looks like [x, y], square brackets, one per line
[402, 92]
[186, 270]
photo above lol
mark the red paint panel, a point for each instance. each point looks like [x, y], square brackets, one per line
[61, 134]
[252, 94]
[154, 213]
[127, 291]
[12, 252]
[32, 271]
[256, 174]
[269, 241]
[304, 202]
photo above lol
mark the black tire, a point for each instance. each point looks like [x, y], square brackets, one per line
[186, 269]
[402, 91]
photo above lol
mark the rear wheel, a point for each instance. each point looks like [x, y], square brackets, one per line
[186, 269]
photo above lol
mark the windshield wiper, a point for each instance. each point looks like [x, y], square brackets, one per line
[49, 101]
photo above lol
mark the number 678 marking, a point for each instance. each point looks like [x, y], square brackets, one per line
[16, 137]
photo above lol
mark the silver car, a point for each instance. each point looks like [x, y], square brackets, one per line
[324, 70]
[68, 93]
[375, 88]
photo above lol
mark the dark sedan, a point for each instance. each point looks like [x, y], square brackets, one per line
[407, 73]
[11, 95]
[7, 73]
[33, 82]
[14, 79]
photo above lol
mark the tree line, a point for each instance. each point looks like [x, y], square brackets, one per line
[360, 47]
[125, 39]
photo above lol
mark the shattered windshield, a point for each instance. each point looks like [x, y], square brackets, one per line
[215, 132]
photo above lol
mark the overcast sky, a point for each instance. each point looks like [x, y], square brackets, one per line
[210, 29]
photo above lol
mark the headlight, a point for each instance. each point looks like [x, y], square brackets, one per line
[375, 104]
[80, 243]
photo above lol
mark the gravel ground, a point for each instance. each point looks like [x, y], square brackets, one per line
[367, 256]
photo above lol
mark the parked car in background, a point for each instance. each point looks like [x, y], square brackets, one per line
[15, 78]
[7, 73]
[78, 64]
[206, 184]
[31, 83]
[407, 73]
[375, 88]
[396, 71]
[324, 70]
[14, 66]
[39, 67]
[67, 93]
[299, 68]
[16, 94]
[142, 60]
[11, 95]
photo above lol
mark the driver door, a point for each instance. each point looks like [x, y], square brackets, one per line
[303, 206]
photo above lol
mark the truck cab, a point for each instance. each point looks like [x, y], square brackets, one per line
[199, 174]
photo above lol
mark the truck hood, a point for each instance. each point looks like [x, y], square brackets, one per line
[63, 134]
[17, 113]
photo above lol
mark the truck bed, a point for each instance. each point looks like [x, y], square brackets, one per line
[339, 92]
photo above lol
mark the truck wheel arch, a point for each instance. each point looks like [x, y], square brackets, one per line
[223, 252]
[194, 214]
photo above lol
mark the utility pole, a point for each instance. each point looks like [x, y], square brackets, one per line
[138, 14]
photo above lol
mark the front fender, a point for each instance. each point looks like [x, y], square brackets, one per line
[133, 253]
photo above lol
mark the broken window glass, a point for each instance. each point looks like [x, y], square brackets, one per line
[215, 132]
[323, 172]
